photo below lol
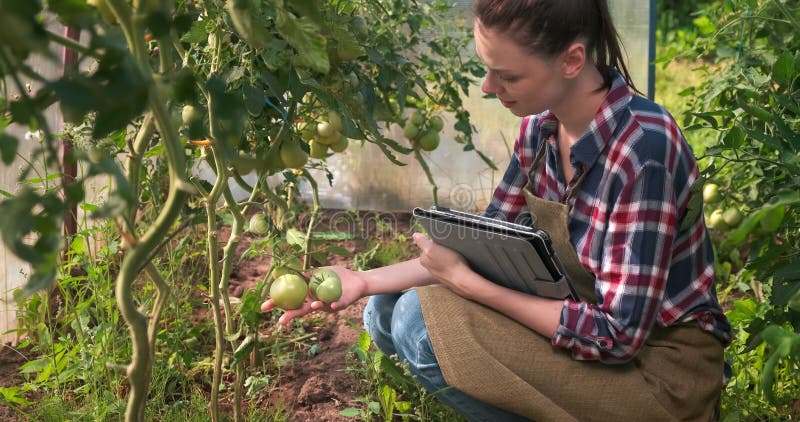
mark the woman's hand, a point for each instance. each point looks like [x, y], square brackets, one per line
[353, 288]
[449, 267]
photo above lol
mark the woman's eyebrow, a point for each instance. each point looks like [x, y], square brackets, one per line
[490, 68]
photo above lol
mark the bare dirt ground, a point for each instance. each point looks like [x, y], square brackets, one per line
[10, 361]
[314, 388]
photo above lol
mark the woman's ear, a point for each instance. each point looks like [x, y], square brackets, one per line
[573, 60]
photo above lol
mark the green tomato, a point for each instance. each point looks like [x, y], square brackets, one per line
[411, 131]
[307, 132]
[189, 114]
[711, 193]
[716, 221]
[416, 118]
[289, 291]
[328, 140]
[429, 140]
[326, 129]
[325, 285]
[318, 149]
[340, 145]
[436, 123]
[329, 291]
[258, 224]
[318, 277]
[732, 217]
[335, 120]
[292, 156]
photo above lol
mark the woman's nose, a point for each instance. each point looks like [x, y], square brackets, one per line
[488, 86]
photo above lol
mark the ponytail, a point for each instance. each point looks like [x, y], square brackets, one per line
[608, 49]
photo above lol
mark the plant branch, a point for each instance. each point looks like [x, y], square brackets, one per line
[73, 45]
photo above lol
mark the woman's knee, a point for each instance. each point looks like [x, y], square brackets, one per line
[378, 321]
[410, 333]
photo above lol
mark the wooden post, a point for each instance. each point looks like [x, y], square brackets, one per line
[69, 60]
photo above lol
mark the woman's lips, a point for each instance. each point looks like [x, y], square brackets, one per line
[507, 103]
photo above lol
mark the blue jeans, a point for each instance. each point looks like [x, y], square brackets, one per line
[396, 326]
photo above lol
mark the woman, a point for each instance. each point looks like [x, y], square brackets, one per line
[609, 175]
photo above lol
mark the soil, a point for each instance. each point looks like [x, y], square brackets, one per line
[10, 360]
[314, 388]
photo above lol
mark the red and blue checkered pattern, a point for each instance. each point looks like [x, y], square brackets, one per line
[626, 222]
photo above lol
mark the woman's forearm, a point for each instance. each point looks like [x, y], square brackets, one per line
[396, 278]
[537, 313]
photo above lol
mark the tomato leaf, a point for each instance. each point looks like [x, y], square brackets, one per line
[788, 272]
[303, 35]
[332, 235]
[783, 68]
[310, 9]
[347, 47]
[245, 348]
[196, 34]
[295, 237]
[350, 412]
[253, 99]
[783, 292]
[743, 310]
[8, 148]
[364, 341]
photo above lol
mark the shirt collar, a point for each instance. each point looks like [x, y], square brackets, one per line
[601, 130]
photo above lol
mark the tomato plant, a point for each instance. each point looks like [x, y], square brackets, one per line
[748, 49]
[267, 87]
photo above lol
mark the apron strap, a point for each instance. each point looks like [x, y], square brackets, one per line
[571, 189]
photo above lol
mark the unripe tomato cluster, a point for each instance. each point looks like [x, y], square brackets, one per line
[423, 132]
[289, 290]
[724, 218]
[721, 218]
[324, 134]
[327, 134]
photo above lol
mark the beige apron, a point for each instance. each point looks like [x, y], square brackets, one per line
[675, 376]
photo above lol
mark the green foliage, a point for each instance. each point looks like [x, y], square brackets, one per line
[160, 87]
[392, 391]
[751, 76]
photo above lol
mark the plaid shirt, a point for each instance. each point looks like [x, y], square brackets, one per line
[626, 222]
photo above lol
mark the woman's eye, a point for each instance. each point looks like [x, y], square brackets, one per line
[508, 78]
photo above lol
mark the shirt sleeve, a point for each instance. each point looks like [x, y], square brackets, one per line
[508, 201]
[630, 287]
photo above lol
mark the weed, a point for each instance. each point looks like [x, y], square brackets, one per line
[390, 390]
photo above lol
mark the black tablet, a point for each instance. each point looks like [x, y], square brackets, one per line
[511, 255]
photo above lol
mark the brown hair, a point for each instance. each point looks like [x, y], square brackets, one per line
[547, 27]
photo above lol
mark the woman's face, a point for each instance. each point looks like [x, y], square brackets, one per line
[523, 82]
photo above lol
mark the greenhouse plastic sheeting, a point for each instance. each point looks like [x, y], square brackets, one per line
[364, 179]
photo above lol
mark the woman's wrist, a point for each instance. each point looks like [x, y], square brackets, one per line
[370, 282]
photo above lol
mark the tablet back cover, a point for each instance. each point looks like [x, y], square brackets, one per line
[504, 256]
